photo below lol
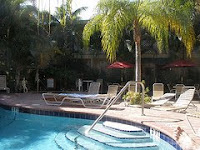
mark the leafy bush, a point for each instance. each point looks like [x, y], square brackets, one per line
[136, 97]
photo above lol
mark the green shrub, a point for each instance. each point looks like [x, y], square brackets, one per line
[136, 97]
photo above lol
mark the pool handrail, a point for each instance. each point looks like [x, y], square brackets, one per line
[115, 99]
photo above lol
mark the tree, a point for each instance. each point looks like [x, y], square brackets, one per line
[160, 18]
[23, 33]
[70, 23]
[68, 30]
[42, 48]
[15, 36]
[24, 46]
[68, 36]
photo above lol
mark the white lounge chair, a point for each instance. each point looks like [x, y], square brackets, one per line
[179, 88]
[95, 100]
[105, 99]
[3, 85]
[163, 100]
[58, 99]
[87, 100]
[158, 91]
[182, 102]
[101, 84]
[112, 90]
[94, 88]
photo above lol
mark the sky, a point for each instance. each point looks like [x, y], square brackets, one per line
[44, 5]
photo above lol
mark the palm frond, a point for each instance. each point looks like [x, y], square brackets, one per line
[78, 11]
[181, 22]
[116, 15]
[91, 27]
[112, 30]
[160, 18]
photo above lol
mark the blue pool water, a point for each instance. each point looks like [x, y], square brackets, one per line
[21, 131]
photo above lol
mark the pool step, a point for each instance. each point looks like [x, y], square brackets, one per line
[105, 136]
[85, 142]
[64, 144]
[121, 127]
[119, 134]
[91, 144]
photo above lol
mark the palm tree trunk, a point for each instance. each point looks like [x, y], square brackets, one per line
[137, 39]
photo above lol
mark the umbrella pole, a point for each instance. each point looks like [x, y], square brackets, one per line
[183, 74]
[122, 76]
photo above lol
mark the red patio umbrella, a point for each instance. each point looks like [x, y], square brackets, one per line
[120, 65]
[181, 64]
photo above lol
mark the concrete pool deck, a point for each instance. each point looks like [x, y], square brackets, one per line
[165, 121]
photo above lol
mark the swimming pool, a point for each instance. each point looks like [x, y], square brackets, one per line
[22, 131]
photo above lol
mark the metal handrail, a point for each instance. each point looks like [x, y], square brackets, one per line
[115, 99]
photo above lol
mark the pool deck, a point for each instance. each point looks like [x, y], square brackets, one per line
[165, 121]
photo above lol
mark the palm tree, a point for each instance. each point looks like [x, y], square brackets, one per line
[23, 34]
[66, 16]
[69, 21]
[159, 17]
[67, 34]
[16, 33]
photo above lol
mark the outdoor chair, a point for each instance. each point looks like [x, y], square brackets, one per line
[94, 88]
[92, 98]
[104, 99]
[182, 102]
[163, 100]
[100, 100]
[3, 85]
[178, 89]
[101, 84]
[158, 91]
[112, 90]
[58, 99]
